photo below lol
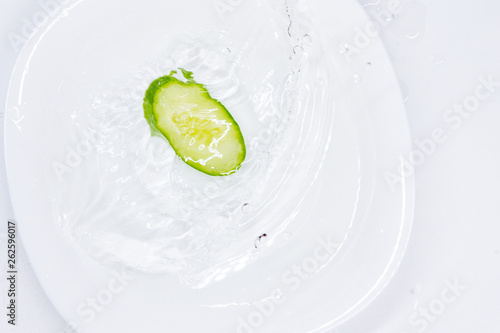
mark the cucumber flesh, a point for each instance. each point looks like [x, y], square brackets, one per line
[199, 128]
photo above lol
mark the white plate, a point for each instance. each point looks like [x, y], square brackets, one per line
[348, 201]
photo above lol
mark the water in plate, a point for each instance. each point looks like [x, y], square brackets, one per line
[140, 206]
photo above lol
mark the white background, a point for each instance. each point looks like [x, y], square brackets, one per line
[439, 50]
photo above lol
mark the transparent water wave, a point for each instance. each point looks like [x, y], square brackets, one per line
[141, 206]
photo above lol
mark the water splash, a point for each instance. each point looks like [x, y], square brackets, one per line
[144, 208]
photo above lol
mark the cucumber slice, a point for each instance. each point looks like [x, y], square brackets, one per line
[199, 128]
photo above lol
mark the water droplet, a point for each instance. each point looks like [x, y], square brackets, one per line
[96, 104]
[220, 277]
[357, 79]
[211, 189]
[239, 267]
[413, 36]
[291, 30]
[437, 60]
[307, 39]
[259, 240]
[246, 208]
[405, 91]
[381, 230]
[343, 48]
[416, 290]
[298, 50]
